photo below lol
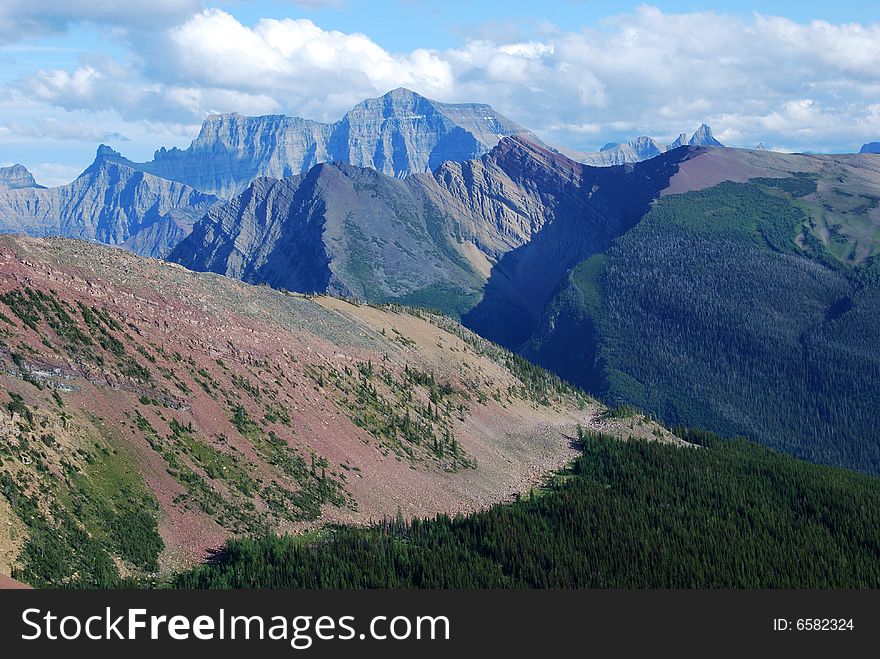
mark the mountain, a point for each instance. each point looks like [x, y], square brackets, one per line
[681, 140]
[582, 210]
[148, 413]
[398, 134]
[703, 137]
[338, 229]
[16, 177]
[109, 202]
[641, 148]
[443, 240]
[870, 147]
[745, 302]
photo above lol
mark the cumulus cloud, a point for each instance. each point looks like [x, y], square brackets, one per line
[103, 82]
[293, 61]
[759, 78]
[35, 17]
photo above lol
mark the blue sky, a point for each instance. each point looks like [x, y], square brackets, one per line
[404, 25]
[142, 74]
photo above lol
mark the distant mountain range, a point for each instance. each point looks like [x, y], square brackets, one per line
[397, 134]
[870, 147]
[150, 207]
[109, 203]
[641, 148]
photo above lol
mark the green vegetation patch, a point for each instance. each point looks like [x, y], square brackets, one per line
[98, 510]
[709, 313]
[629, 514]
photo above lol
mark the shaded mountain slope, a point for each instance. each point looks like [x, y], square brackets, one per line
[747, 308]
[148, 413]
[520, 216]
[583, 209]
[109, 203]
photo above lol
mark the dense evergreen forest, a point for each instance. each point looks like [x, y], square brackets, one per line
[630, 514]
[721, 310]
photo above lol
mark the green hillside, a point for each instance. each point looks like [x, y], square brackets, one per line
[630, 514]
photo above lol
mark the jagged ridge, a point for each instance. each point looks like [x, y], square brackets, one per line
[398, 134]
[110, 202]
[642, 148]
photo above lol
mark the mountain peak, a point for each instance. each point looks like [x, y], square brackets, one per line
[399, 133]
[870, 147]
[704, 137]
[681, 140]
[402, 92]
[17, 177]
[105, 151]
[104, 155]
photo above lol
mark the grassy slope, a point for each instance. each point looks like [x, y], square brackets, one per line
[625, 515]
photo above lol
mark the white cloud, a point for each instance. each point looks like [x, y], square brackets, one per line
[295, 61]
[54, 174]
[759, 78]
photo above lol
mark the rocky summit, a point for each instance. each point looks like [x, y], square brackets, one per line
[16, 177]
[704, 137]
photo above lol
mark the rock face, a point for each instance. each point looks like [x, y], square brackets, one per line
[704, 137]
[870, 147]
[398, 134]
[339, 229]
[504, 228]
[110, 203]
[16, 177]
[642, 148]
